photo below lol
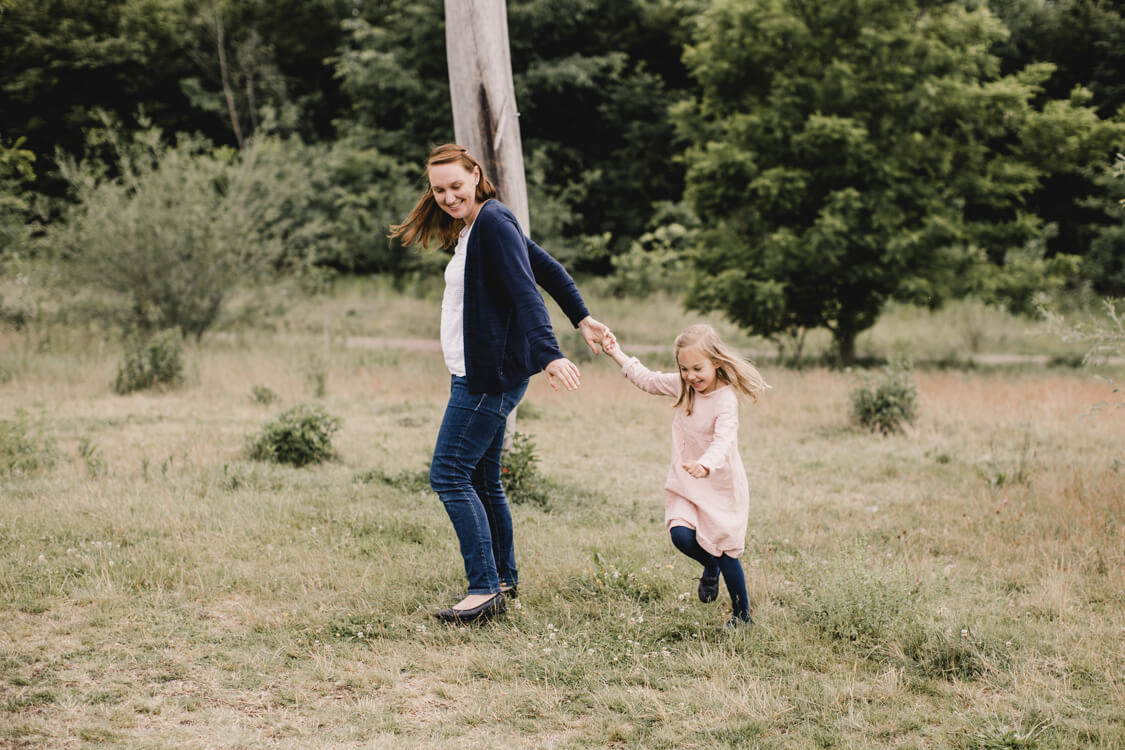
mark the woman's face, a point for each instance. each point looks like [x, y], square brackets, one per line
[455, 190]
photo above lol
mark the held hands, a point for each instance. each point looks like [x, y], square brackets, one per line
[593, 331]
[696, 469]
[610, 347]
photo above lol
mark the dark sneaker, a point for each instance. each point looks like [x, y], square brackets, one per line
[738, 621]
[708, 589]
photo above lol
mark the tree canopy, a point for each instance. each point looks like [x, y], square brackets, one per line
[848, 152]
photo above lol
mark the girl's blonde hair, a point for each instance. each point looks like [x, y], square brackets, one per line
[427, 217]
[730, 367]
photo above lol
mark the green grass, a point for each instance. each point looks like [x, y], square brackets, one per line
[957, 585]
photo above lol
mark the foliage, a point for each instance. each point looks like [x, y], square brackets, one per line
[607, 64]
[21, 451]
[264, 395]
[16, 215]
[884, 405]
[656, 260]
[519, 473]
[66, 60]
[1104, 263]
[181, 226]
[357, 192]
[1084, 41]
[299, 436]
[157, 361]
[845, 154]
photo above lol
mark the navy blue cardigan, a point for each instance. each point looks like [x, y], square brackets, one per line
[508, 334]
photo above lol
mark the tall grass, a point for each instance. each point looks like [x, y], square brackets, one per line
[957, 585]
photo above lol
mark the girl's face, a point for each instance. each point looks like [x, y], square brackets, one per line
[697, 369]
[455, 190]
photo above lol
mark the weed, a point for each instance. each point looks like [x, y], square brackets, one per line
[159, 361]
[316, 376]
[20, 451]
[299, 436]
[260, 394]
[95, 464]
[855, 602]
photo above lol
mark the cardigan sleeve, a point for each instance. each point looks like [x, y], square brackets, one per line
[510, 259]
[551, 275]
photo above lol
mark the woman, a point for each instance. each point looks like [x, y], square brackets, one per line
[495, 334]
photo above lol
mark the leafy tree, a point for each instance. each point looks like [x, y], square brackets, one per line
[66, 60]
[16, 214]
[1085, 41]
[848, 152]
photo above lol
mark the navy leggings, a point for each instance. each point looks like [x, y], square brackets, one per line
[730, 567]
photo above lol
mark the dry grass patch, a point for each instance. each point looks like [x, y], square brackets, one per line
[953, 586]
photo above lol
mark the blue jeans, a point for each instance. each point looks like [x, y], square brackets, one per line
[465, 473]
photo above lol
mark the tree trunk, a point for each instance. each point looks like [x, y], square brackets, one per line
[845, 345]
[485, 117]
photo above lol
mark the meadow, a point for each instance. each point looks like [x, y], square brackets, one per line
[955, 585]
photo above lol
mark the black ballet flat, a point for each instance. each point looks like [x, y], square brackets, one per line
[480, 613]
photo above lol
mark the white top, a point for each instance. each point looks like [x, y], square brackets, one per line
[453, 307]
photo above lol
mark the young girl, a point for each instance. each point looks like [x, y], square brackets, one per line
[706, 498]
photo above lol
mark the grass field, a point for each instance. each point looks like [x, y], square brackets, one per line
[959, 585]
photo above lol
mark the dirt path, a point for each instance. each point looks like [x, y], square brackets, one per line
[433, 345]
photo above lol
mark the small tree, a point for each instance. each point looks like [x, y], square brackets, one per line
[177, 228]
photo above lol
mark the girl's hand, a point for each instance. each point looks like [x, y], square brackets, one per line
[696, 469]
[564, 370]
[609, 342]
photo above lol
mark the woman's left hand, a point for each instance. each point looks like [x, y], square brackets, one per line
[564, 370]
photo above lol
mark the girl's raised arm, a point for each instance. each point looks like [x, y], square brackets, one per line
[658, 383]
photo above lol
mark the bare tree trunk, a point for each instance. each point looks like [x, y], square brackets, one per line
[224, 75]
[485, 117]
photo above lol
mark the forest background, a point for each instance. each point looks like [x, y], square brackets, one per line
[809, 163]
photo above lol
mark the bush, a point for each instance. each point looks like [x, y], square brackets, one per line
[181, 226]
[159, 361]
[300, 436]
[886, 405]
[519, 473]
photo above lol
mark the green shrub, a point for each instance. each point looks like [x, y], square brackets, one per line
[519, 473]
[299, 436]
[260, 394]
[178, 228]
[155, 362]
[885, 405]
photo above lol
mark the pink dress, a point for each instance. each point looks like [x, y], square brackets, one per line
[716, 506]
